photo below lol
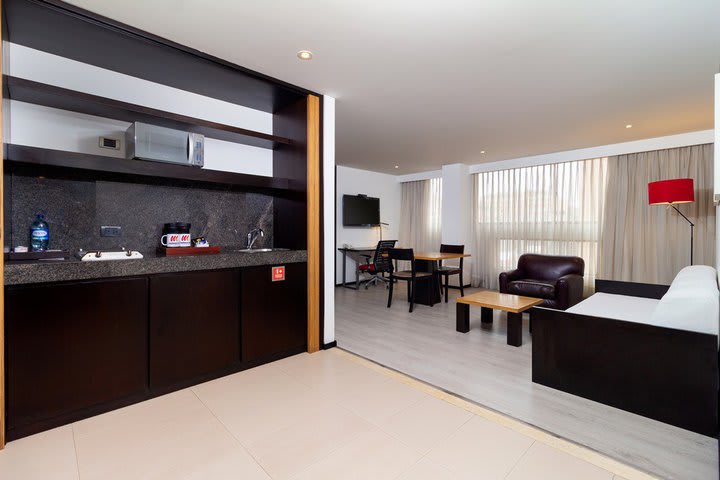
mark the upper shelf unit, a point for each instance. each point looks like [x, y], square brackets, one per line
[29, 91]
[38, 161]
[65, 30]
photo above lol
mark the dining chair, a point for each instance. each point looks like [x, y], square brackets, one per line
[446, 271]
[411, 276]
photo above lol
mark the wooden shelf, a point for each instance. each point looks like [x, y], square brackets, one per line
[61, 29]
[43, 161]
[37, 93]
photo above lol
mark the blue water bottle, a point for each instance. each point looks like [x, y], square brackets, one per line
[39, 234]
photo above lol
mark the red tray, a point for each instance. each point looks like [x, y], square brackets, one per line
[188, 250]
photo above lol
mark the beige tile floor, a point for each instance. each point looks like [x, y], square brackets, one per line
[330, 415]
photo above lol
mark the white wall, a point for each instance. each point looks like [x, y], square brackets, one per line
[645, 145]
[352, 181]
[413, 177]
[39, 126]
[456, 204]
[456, 213]
[329, 217]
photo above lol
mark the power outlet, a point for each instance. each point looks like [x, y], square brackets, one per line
[110, 231]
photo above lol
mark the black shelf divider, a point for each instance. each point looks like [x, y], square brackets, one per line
[38, 161]
[29, 91]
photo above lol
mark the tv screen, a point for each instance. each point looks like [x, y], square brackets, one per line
[359, 210]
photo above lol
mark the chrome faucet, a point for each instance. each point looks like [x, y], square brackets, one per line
[253, 235]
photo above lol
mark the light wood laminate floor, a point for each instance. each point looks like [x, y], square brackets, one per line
[481, 367]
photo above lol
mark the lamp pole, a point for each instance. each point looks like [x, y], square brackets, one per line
[380, 225]
[692, 231]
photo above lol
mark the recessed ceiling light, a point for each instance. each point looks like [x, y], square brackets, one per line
[305, 55]
[397, 166]
[628, 126]
[482, 151]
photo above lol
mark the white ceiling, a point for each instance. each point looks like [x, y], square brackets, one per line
[424, 83]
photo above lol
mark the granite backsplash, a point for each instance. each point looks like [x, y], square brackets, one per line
[76, 208]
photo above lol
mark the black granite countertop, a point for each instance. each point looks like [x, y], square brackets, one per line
[19, 273]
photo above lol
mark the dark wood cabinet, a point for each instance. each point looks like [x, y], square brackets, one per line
[77, 349]
[194, 326]
[274, 314]
[73, 347]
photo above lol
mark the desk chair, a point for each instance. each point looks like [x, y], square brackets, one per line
[411, 276]
[451, 270]
[381, 263]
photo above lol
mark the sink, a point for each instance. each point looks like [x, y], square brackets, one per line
[260, 250]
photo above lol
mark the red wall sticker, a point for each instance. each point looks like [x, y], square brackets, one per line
[278, 274]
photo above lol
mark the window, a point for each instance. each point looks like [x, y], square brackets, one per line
[552, 209]
[420, 215]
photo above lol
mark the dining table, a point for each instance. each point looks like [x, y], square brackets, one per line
[428, 292]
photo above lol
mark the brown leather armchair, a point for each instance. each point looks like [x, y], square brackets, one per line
[557, 280]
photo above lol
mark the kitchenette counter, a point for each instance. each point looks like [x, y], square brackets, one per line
[19, 273]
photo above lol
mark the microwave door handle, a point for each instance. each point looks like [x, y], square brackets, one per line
[190, 148]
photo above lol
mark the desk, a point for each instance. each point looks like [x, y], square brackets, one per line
[356, 253]
[428, 292]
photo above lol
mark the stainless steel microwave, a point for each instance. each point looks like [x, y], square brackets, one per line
[160, 144]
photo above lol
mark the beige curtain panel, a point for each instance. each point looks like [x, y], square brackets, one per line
[554, 209]
[645, 243]
[420, 215]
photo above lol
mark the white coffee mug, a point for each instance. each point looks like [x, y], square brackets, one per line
[171, 240]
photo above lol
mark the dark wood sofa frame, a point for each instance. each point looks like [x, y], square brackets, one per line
[661, 373]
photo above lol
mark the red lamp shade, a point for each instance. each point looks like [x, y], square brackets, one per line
[665, 192]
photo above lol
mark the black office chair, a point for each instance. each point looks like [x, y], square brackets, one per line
[411, 276]
[381, 263]
[450, 270]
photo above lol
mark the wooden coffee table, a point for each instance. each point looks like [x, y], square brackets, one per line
[514, 305]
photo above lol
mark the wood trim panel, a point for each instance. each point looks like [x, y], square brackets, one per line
[2, 261]
[290, 162]
[633, 289]
[313, 222]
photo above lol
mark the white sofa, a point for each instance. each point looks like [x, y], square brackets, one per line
[647, 349]
[691, 303]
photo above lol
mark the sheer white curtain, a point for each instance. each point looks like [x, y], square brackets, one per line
[549, 209]
[421, 205]
[650, 244]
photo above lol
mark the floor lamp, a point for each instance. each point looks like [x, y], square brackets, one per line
[381, 227]
[671, 193]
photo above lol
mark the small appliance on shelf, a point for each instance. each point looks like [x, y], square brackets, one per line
[160, 144]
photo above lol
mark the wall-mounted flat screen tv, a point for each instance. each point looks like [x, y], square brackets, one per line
[360, 211]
